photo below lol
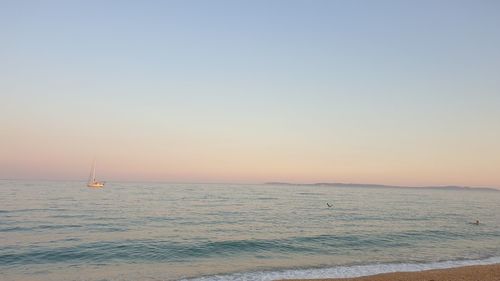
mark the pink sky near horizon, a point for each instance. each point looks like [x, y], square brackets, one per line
[48, 154]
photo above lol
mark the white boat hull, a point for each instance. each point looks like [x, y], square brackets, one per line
[96, 184]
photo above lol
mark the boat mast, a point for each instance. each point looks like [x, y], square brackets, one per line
[92, 173]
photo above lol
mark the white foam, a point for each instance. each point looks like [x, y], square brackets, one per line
[342, 271]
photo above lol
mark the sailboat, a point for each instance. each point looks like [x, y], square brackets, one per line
[92, 181]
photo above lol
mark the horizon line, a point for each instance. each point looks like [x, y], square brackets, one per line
[262, 183]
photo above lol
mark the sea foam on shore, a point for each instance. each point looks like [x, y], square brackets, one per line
[343, 271]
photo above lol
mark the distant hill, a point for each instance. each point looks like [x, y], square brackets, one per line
[362, 185]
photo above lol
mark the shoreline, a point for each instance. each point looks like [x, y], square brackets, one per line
[465, 270]
[490, 272]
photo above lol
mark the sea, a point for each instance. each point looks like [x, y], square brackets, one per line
[164, 231]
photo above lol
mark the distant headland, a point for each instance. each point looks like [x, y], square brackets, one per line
[363, 185]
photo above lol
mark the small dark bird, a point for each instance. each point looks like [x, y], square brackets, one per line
[329, 206]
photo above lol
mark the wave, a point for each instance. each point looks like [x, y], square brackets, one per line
[342, 271]
[166, 250]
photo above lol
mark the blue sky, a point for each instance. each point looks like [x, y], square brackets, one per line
[381, 91]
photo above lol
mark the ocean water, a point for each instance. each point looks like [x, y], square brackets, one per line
[158, 231]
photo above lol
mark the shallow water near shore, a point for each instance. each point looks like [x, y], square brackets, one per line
[159, 231]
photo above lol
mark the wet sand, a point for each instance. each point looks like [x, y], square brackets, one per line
[466, 273]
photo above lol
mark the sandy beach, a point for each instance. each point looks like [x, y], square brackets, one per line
[466, 273]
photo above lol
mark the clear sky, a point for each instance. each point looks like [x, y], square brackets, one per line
[391, 92]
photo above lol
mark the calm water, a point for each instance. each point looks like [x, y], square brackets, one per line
[145, 231]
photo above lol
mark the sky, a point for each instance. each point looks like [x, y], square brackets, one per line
[388, 92]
